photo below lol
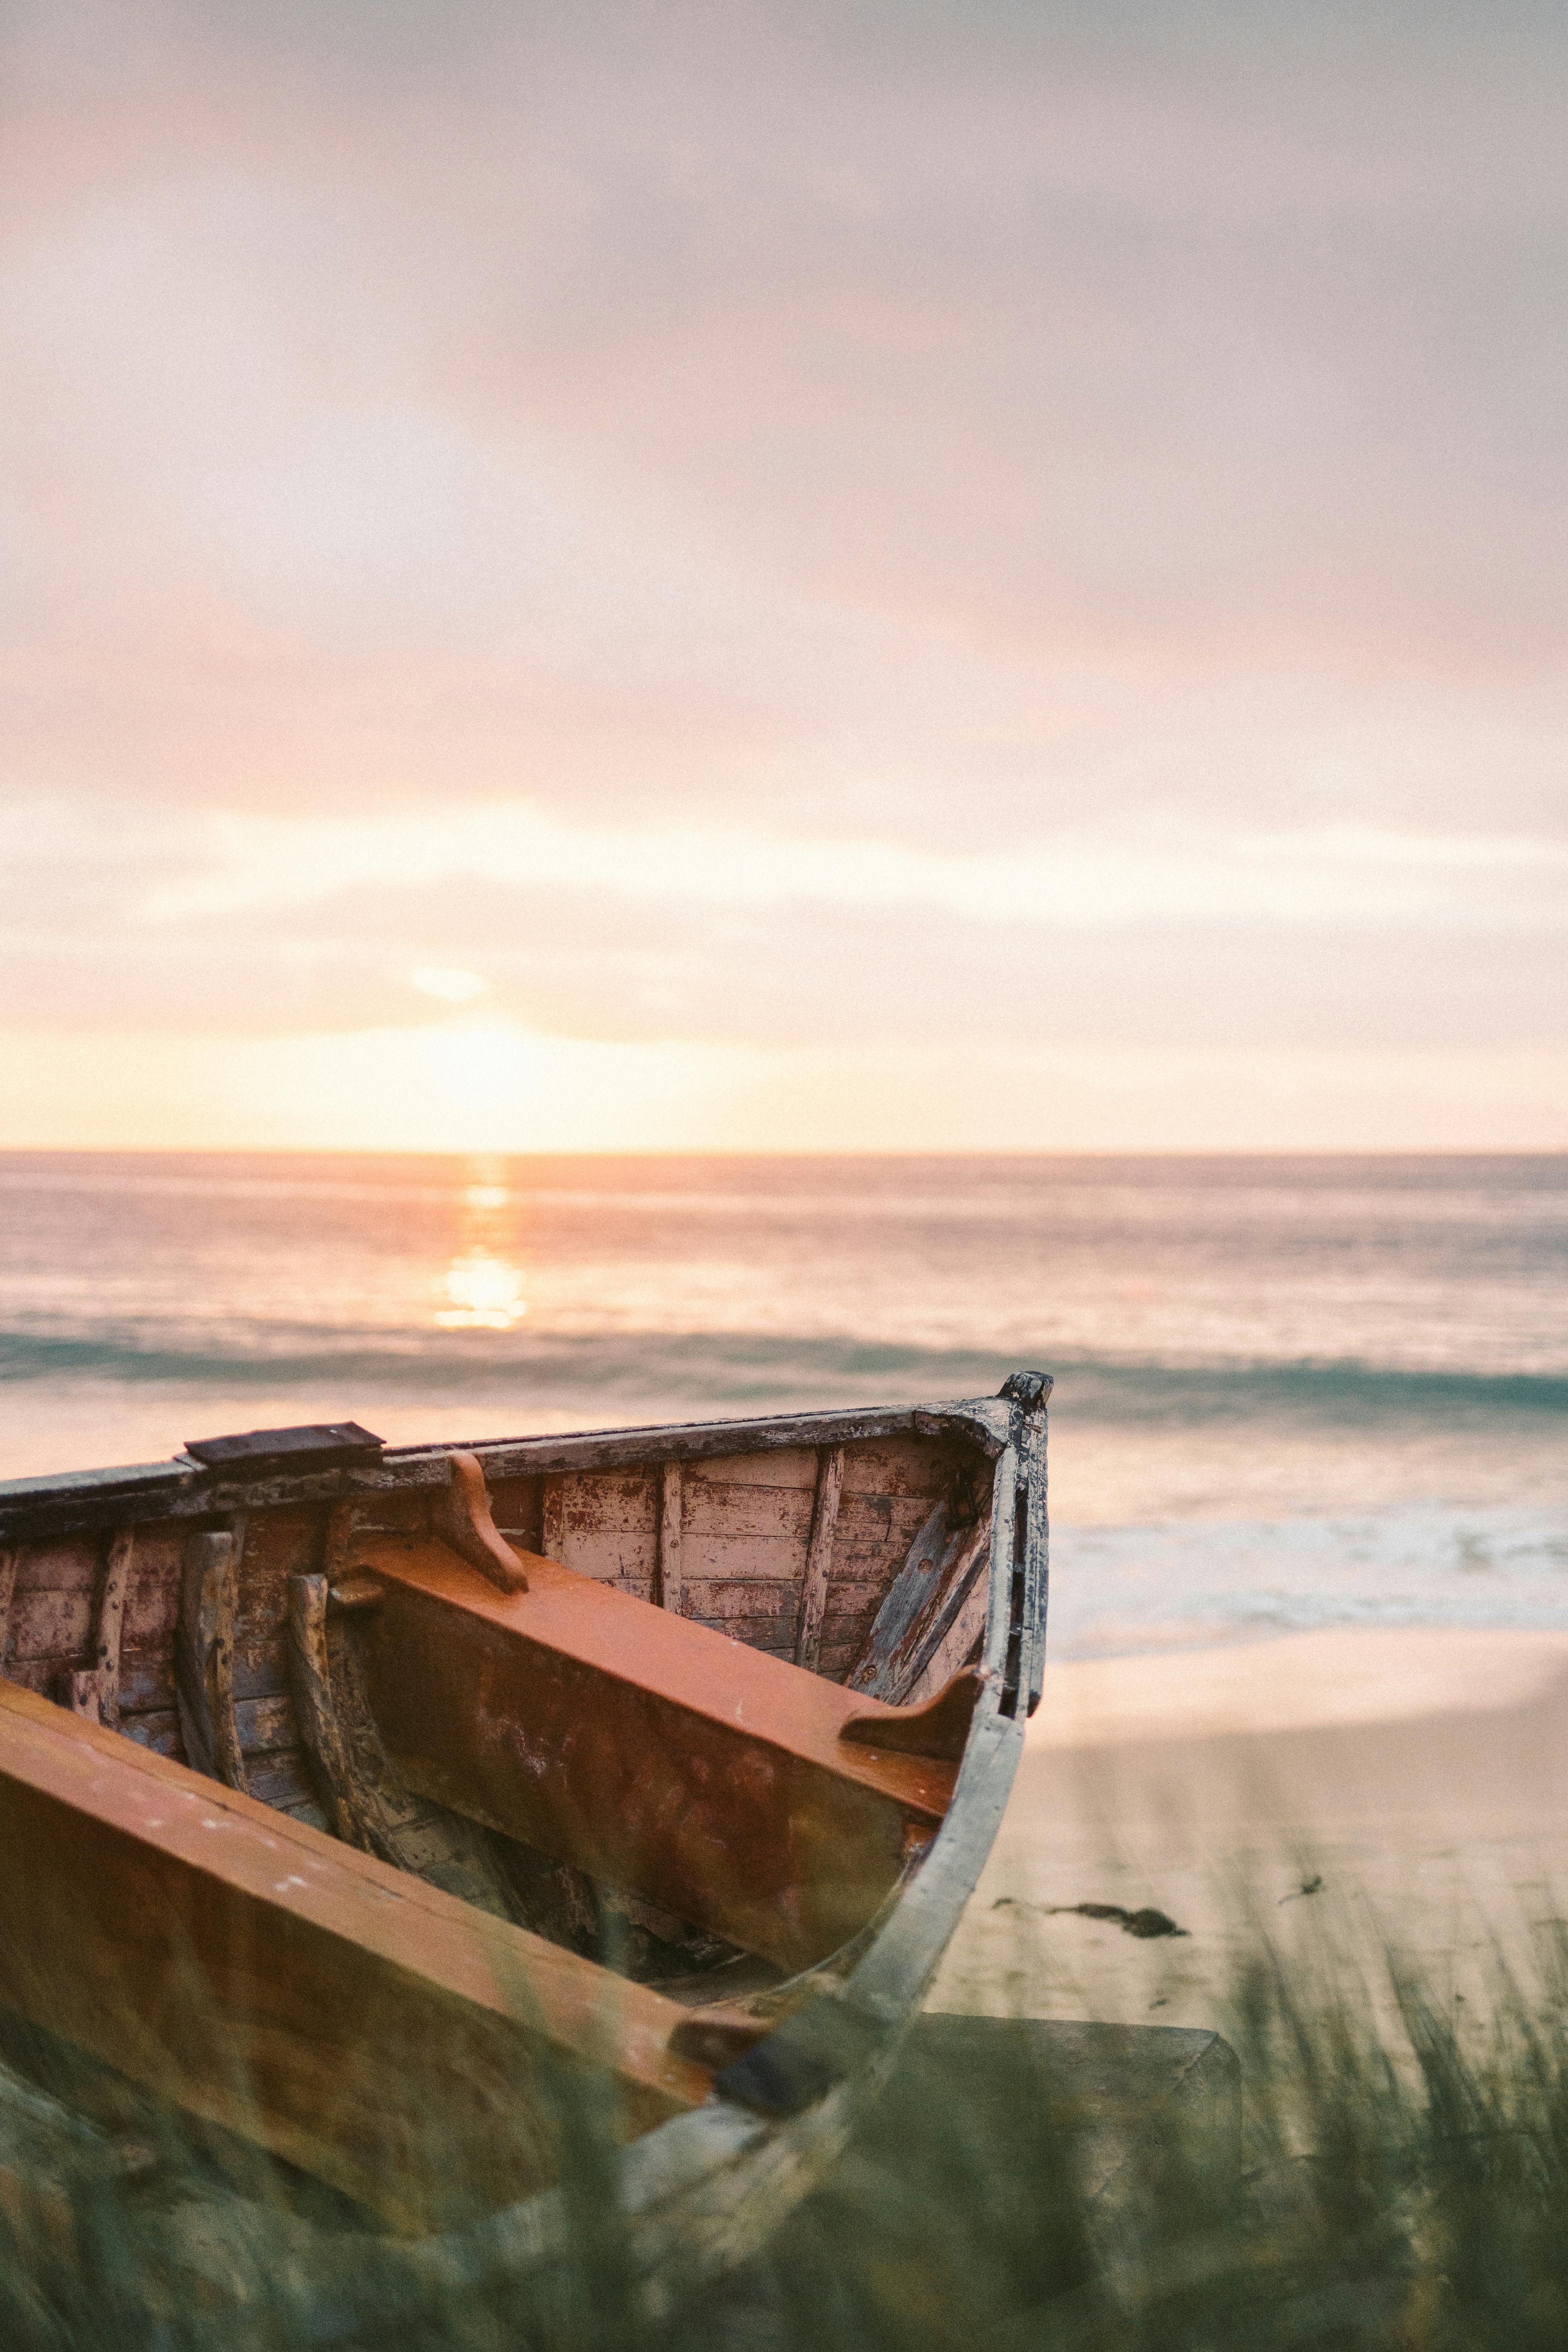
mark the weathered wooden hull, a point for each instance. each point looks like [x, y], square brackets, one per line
[398, 1772]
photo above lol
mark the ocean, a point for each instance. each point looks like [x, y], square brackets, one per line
[1290, 1392]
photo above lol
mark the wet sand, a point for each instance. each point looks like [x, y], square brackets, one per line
[1417, 1782]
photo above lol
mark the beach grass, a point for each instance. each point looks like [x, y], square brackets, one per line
[1389, 2191]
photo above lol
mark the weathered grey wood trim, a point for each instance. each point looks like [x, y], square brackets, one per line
[819, 1557]
[671, 1593]
[109, 1624]
[204, 1658]
[953, 1640]
[366, 1800]
[921, 1605]
[182, 1491]
[94, 1691]
[130, 1478]
[315, 1709]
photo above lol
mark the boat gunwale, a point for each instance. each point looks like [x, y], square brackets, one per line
[181, 1488]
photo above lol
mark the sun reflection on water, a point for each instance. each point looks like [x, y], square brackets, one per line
[483, 1285]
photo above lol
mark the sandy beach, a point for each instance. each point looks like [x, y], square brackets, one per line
[1416, 1777]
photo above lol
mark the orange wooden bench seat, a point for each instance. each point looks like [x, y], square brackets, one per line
[699, 1774]
[370, 2029]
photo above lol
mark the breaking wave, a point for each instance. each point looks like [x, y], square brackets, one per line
[753, 1370]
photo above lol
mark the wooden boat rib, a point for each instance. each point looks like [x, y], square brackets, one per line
[332, 1776]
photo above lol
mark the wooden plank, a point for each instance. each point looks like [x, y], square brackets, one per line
[959, 1646]
[642, 1747]
[612, 1555]
[819, 1558]
[40, 1674]
[844, 1640]
[145, 1682]
[283, 1778]
[745, 1596]
[620, 1502]
[793, 1465]
[348, 1808]
[749, 1556]
[851, 1596]
[926, 1600]
[670, 1591]
[517, 1505]
[259, 1974]
[606, 1526]
[873, 1551]
[773, 1512]
[79, 1693]
[773, 1637]
[265, 1724]
[111, 1618]
[868, 1522]
[260, 1669]
[204, 1666]
[9, 1556]
[553, 1515]
[897, 1466]
[50, 1623]
[277, 1545]
[66, 1563]
[368, 1803]
[152, 1592]
[158, 1728]
[843, 1646]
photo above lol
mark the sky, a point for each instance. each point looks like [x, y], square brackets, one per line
[794, 577]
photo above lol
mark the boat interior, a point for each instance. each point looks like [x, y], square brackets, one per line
[445, 1760]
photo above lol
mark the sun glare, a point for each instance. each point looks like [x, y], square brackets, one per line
[483, 1285]
[485, 1293]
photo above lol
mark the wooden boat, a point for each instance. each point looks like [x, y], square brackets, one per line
[354, 1798]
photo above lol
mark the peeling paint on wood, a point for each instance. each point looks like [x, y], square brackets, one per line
[8, 1557]
[205, 1675]
[318, 1715]
[738, 1510]
[110, 1617]
[51, 1624]
[925, 1600]
[819, 1558]
[672, 1592]
[58, 1564]
[552, 1511]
